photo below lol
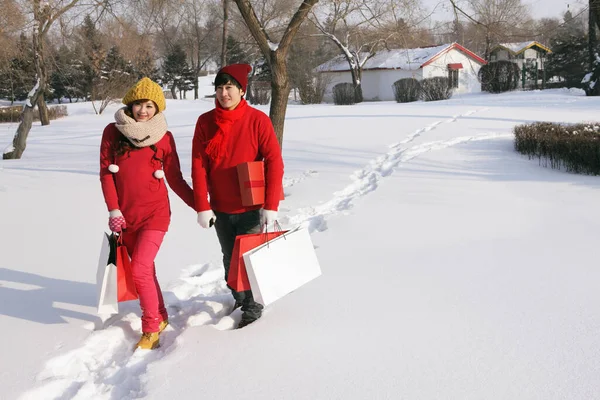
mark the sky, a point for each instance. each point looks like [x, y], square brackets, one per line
[539, 8]
[452, 267]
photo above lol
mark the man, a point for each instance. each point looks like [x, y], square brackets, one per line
[231, 134]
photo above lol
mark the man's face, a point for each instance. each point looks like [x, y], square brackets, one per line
[229, 96]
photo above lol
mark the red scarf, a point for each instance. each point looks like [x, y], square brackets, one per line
[217, 146]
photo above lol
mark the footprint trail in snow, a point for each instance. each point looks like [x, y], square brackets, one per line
[105, 367]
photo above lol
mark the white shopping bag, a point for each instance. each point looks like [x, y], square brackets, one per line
[106, 279]
[281, 265]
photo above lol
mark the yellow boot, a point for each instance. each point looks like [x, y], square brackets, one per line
[148, 341]
[163, 325]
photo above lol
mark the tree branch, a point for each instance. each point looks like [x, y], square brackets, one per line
[295, 23]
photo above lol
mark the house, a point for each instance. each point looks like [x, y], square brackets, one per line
[386, 67]
[523, 53]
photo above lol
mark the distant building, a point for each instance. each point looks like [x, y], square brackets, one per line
[380, 72]
[529, 56]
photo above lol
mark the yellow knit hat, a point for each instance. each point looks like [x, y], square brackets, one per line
[146, 89]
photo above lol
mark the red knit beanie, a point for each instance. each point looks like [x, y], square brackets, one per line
[239, 72]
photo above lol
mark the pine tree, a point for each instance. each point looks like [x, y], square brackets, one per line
[64, 78]
[19, 77]
[144, 66]
[236, 54]
[569, 57]
[90, 64]
[174, 69]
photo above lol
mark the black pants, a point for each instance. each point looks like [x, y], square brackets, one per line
[228, 226]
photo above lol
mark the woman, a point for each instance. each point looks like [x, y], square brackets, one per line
[136, 153]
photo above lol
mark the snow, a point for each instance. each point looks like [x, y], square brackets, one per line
[453, 267]
[9, 149]
[407, 59]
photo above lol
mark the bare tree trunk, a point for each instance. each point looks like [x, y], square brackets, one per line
[19, 142]
[280, 91]
[280, 86]
[43, 19]
[224, 43]
[43, 109]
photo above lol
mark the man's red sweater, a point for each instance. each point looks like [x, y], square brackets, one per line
[251, 138]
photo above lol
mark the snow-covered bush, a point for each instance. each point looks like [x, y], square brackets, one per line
[499, 76]
[343, 94]
[574, 147]
[436, 88]
[407, 90]
[13, 113]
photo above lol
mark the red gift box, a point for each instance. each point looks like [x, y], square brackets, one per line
[251, 176]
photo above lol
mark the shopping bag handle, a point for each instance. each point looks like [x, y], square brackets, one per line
[266, 232]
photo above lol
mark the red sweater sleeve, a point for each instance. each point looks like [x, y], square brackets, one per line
[270, 150]
[199, 170]
[175, 179]
[107, 180]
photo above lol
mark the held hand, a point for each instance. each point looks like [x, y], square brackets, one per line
[206, 219]
[116, 221]
[267, 217]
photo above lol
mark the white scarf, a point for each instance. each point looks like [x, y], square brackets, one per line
[144, 133]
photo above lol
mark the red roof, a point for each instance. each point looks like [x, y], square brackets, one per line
[458, 47]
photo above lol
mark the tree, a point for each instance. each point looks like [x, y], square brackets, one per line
[116, 75]
[66, 75]
[569, 57]
[92, 57]
[276, 55]
[175, 69]
[360, 28]
[497, 19]
[44, 16]
[225, 36]
[19, 74]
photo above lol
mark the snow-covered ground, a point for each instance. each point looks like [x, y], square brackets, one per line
[453, 267]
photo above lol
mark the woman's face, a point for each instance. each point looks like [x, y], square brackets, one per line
[143, 110]
[229, 96]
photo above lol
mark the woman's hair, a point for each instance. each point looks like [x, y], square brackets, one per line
[223, 79]
[123, 145]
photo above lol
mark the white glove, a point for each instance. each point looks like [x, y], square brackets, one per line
[206, 218]
[267, 217]
[115, 214]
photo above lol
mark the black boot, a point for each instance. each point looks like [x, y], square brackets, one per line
[251, 310]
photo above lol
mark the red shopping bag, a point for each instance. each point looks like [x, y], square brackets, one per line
[125, 286]
[237, 279]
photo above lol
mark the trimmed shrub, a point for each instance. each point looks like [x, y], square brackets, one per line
[344, 94]
[259, 92]
[13, 113]
[499, 76]
[436, 88]
[407, 90]
[312, 89]
[574, 147]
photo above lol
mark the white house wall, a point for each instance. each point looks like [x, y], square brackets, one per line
[468, 81]
[377, 84]
[383, 81]
[332, 79]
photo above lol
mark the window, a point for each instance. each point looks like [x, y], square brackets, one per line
[453, 78]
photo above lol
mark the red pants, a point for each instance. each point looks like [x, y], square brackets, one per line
[142, 247]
